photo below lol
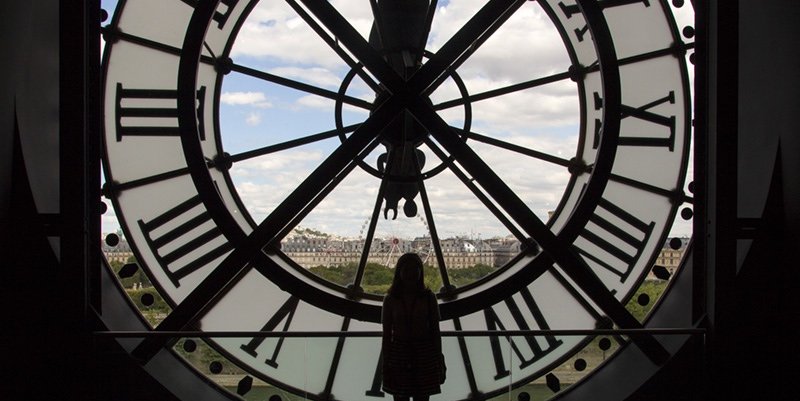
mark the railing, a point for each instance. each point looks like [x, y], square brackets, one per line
[500, 372]
[347, 334]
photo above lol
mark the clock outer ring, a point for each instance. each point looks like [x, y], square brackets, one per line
[190, 142]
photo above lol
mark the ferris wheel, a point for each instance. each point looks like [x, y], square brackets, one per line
[394, 245]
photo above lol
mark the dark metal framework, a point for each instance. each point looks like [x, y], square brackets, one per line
[709, 292]
[448, 143]
[223, 161]
[399, 94]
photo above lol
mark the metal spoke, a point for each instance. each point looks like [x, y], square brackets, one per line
[477, 192]
[111, 188]
[238, 262]
[290, 144]
[373, 223]
[572, 74]
[303, 87]
[225, 160]
[516, 148]
[437, 246]
[344, 155]
[328, 188]
[504, 90]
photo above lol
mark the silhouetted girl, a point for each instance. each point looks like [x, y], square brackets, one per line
[413, 365]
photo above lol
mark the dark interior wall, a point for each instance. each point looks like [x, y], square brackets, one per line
[49, 356]
[48, 75]
[765, 318]
[30, 90]
[29, 142]
[769, 102]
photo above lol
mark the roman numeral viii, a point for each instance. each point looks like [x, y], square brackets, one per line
[152, 112]
[180, 243]
[223, 10]
[617, 240]
[570, 10]
[643, 113]
[533, 348]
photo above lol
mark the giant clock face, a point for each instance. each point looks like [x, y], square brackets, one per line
[217, 260]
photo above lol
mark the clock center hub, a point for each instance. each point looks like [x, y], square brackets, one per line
[404, 129]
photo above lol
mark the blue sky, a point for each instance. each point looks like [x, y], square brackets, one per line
[256, 113]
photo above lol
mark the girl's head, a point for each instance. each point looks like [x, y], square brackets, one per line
[408, 275]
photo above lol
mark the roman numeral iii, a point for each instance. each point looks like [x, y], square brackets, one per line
[152, 112]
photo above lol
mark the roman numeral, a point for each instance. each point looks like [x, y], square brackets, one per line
[337, 356]
[377, 380]
[152, 112]
[537, 351]
[570, 10]
[621, 238]
[175, 239]
[462, 347]
[284, 314]
[223, 10]
[642, 113]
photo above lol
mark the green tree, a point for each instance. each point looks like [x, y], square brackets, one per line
[432, 278]
[652, 290]
[467, 275]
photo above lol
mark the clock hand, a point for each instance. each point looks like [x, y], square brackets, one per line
[333, 42]
[489, 17]
[426, 30]
[353, 41]
[399, 32]
[462, 44]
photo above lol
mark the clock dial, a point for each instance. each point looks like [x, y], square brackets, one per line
[409, 124]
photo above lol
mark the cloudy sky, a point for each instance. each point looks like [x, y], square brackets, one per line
[255, 113]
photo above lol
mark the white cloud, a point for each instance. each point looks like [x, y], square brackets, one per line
[315, 75]
[254, 99]
[253, 119]
[273, 30]
[265, 166]
[315, 102]
[544, 118]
